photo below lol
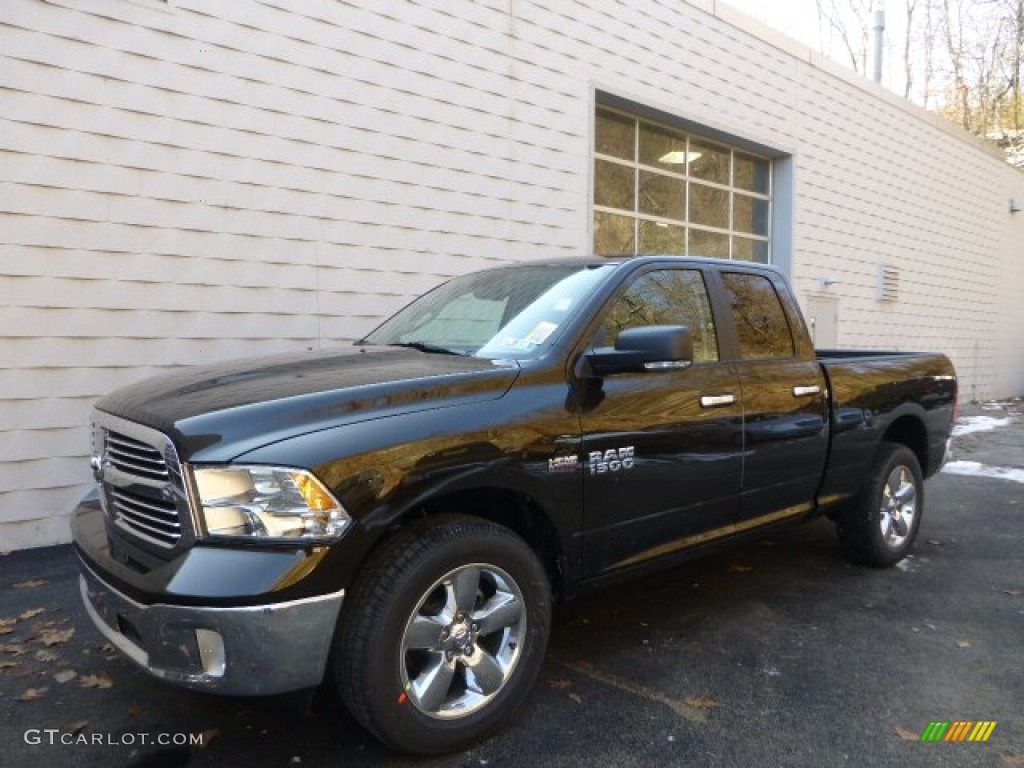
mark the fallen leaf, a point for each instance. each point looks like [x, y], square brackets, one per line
[8, 664]
[30, 613]
[560, 683]
[55, 636]
[737, 568]
[703, 702]
[135, 710]
[31, 694]
[576, 697]
[963, 643]
[101, 680]
[1012, 759]
[207, 737]
[906, 735]
[1012, 592]
[13, 650]
[5, 630]
[30, 584]
[8, 622]
[65, 676]
[77, 728]
[46, 656]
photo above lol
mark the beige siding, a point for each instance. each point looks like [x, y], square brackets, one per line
[203, 180]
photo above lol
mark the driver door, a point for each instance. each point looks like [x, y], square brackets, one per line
[662, 448]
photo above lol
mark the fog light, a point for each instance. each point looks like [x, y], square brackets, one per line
[211, 652]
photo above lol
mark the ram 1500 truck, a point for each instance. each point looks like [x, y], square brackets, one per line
[396, 517]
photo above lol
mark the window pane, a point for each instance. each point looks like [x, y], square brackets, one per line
[613, 235]
[709, 162]
[750, 214]
[759, 316]
[665, 297]
[752, 173]
[662, 147]
[709, 206]
[712, 244]
[662, 195]
[615, 135]
[613, 185]
[750, 250]
[658, 237]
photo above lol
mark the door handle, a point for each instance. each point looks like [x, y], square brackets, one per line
[716, 401]
[814, 389]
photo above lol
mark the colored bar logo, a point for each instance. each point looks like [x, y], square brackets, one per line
[958, 730]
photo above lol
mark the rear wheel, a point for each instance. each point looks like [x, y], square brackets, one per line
[444, 635]
[880, 526]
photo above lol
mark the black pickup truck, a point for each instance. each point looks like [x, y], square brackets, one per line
[396, 518]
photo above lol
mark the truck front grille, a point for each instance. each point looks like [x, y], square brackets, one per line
[134, 457]
[140, 480]
[149, 518]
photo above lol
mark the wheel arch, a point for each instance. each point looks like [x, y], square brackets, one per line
[909, 430]
[511, 508]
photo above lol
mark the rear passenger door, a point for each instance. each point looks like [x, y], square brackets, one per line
[783, 392]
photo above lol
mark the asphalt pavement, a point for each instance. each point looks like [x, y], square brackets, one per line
[779, 653]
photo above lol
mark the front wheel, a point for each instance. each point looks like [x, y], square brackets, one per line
[880, 526]
[444, 634]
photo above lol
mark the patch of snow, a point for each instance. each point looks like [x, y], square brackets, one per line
[977, 469]
[971, 424]
[906, 565]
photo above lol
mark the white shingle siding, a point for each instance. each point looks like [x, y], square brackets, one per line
[200, 181]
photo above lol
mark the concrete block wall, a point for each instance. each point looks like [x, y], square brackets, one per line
[191, 181]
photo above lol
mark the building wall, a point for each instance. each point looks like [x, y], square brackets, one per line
[192, 181]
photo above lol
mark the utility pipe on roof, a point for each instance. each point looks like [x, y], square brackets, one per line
[878, 30]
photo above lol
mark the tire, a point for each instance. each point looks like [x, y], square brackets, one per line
[880, 526]
[443, 635]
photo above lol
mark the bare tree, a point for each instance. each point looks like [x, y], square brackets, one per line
[849, 20]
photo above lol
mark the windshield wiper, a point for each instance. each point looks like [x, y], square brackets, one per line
[426, 346]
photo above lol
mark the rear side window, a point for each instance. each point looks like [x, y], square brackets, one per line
[759, 316]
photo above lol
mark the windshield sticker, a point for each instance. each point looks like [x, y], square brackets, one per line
[539, 334]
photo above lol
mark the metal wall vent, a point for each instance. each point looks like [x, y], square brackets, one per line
[888, 283]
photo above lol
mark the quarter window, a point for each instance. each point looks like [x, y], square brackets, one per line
[759, 317]
[665, 297]
[661, 190]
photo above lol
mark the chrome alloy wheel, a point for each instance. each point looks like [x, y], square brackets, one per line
[899, 506]
[463, 641]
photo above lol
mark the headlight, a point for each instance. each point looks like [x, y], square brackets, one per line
[267, 503]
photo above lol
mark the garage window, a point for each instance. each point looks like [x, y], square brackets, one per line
[659, 189]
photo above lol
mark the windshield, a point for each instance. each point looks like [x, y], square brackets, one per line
[501, 313]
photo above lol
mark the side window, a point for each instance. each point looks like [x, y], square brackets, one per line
[760, 319]
[665, 297]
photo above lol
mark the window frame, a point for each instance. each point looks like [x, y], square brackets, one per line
[688, 180]
[796, 345]
[594, 328]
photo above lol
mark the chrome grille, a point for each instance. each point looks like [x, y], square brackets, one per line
[140, 480]
[153, 518]
[134, 457]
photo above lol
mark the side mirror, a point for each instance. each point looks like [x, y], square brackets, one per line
[647, 348]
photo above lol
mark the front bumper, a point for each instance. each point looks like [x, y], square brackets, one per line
[252, 650]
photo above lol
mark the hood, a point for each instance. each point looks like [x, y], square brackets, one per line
[214, 413]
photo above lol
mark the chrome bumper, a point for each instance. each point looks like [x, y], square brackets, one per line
[255, 650]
